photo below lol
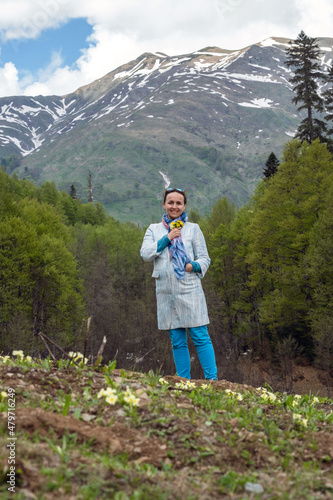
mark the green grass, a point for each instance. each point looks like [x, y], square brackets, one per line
[178, 440]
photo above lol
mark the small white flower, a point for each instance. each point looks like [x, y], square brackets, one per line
[132, 400]
[128, 392]
[109, 391]
[271, 396]
[162, 381]
[190, 385]
[299, 419]
[18, 354]
[102, 393]
[111, 399]
[4, 394]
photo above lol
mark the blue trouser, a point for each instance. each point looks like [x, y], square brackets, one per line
[205, 350]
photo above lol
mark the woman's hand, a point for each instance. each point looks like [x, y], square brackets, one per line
[174, 233]
[188, 268]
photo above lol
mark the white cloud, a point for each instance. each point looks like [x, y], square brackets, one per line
[27, 19]
[9, 84]
[124, 29]
[316, 17]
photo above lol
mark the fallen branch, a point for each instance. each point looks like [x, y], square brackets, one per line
[43, 337]
[86, 337]
[101, 349]
[47, 347]
[138, 360]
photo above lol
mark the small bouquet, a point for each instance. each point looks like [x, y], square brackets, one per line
[176, 223]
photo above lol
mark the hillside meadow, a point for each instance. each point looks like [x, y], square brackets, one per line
[95, 432]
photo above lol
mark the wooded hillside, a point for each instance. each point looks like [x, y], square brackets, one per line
[269, 288]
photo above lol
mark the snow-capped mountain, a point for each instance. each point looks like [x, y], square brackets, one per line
[206, 120]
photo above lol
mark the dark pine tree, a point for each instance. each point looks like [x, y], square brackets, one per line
[303, 55]
[271, 166]
[328, 100]
[72, 192]
[90, 190]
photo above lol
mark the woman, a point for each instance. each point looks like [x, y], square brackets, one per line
[180, 257]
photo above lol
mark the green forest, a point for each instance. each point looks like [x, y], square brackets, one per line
[71, 272]
[269, 288]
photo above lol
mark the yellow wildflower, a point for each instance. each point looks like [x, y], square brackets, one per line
[76, 356]
[176, 223]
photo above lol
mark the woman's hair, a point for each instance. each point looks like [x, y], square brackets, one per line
[174, 190]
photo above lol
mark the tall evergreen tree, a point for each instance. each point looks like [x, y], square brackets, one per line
[328, 100]
[271, 165]
[72, 192]
[279, 234]
[303, 55]
[90, 191]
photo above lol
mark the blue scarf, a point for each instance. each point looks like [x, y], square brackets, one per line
[177, 250]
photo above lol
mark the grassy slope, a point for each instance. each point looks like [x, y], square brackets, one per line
[178, 443]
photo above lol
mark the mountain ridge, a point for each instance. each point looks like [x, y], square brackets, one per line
[206, 120]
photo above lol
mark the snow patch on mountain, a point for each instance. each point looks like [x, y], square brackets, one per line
[271, 42]
[166, 179]
[253, 78]
[257, 103]
[17, 143]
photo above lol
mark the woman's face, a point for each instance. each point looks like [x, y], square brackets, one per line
[174, 205]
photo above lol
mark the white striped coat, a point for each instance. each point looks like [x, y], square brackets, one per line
[180, 303]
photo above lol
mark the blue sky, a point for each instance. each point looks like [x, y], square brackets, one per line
[32, 54]
[56, 46]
